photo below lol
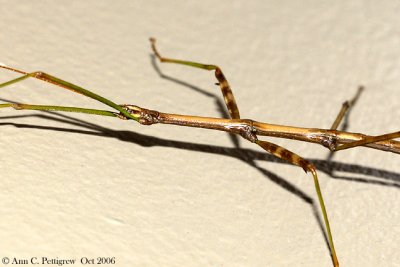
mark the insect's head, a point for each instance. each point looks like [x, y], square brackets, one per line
[142, 115]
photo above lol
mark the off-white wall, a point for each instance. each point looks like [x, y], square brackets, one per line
[77, 186]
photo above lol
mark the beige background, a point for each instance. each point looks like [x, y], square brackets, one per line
[75, 185]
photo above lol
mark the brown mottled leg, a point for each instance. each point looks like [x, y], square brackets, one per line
[222, 82]
[345, 108]
[295, 159]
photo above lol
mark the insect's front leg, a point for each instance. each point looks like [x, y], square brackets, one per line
[226, 90]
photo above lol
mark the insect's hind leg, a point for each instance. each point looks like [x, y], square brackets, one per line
[295, 159]
[345, 108]
[226, 90]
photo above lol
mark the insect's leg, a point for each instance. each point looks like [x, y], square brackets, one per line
[64, 84]
[18, 106]
[226, 90]
[346, 107]
[368, 140]
[293, 158]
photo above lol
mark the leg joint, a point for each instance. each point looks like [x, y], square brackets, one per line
[245, 129]
[330, 143]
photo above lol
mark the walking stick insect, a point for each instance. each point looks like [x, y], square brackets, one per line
[248, 129]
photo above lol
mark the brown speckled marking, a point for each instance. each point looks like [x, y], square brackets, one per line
[285, 154]
[227, 93]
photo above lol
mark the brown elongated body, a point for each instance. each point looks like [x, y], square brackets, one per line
[250, 128]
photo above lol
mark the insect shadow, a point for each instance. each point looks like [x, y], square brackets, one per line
[248, 156]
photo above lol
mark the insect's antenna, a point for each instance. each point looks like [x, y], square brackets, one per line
[66, 85]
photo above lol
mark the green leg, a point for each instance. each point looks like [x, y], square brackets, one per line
[64, 84]
[61, 108]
